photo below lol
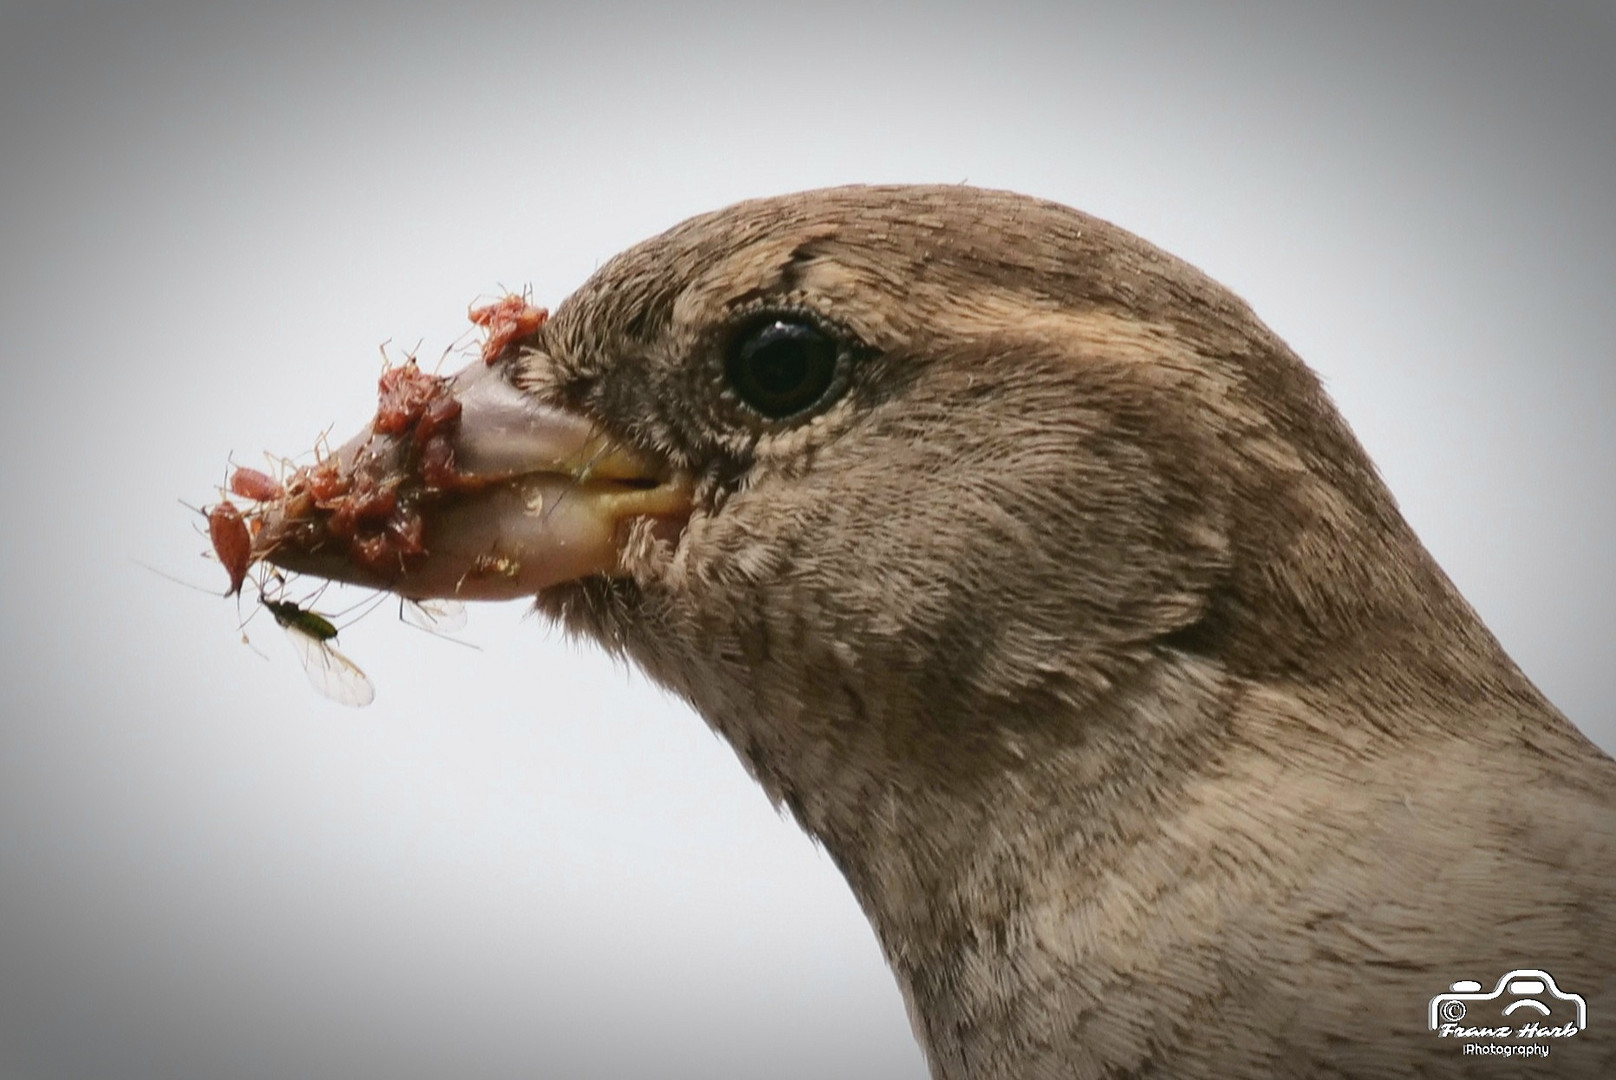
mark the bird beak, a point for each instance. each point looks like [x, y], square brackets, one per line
[465, 487]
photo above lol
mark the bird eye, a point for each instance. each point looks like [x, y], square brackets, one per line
[781, 367]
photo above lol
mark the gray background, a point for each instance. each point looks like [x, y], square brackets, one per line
[524, 860]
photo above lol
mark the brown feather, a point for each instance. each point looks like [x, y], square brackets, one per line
[1082, 633]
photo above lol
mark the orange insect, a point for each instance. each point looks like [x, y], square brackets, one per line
[365, 503]
[255, 485]
[402, 393]
[509, 320]
[439, 416]
[324, 482]
[231, 542]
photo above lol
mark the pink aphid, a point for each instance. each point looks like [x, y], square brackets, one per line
[255, 485]
[509, 320]
[231, 542]
[402, 393]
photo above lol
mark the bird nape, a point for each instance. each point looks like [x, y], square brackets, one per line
[1046, 588]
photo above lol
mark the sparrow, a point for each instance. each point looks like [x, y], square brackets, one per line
[1045, 588]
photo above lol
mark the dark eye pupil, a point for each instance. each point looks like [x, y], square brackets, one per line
[781, 367]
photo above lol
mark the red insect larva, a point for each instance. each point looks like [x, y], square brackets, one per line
[376, 553]
[231, 542]
[365, 503]
[440, 415]
[437, 465]
[402, 393]
[255, 485]
[325, 482]
[509, 319]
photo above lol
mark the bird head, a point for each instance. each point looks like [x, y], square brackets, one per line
[987, 534]
[942, 478]
[963, 462]
[888, 480]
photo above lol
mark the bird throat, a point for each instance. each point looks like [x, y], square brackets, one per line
[987, 887]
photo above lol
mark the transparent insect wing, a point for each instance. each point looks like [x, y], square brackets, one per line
[333, 674]
[435, 616]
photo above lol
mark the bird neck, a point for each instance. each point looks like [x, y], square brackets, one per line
[985, 886]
